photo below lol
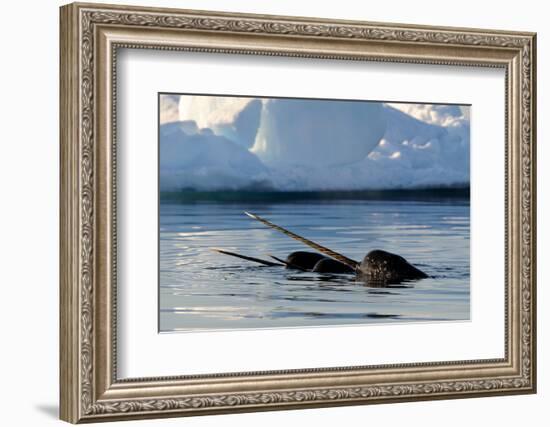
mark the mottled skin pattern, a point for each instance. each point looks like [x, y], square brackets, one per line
[382, 266]
[378, 267]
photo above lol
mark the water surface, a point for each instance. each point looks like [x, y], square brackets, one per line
[202, 289]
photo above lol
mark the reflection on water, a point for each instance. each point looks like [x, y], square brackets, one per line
[202, 289]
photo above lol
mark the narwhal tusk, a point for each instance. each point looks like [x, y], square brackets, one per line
[278, 259]
[325, 251]
[248, 258]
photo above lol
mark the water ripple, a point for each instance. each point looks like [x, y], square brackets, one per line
[200, 289]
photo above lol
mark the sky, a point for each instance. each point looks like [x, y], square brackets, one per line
[245, 143]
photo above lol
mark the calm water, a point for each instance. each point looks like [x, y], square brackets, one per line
[201, 289]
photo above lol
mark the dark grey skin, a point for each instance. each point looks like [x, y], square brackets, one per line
[313, 261]
[329, 265]
[303, 260]
[382, 266]
[377, 267]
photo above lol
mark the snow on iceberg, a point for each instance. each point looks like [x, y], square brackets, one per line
[169, 108]
[426, 145]
[193, 159]
[411, 154]
[234, 117]
[301, 145]
[438, 114]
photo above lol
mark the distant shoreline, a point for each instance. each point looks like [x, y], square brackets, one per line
[426, 194]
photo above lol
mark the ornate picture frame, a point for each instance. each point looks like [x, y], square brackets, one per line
[91, 34]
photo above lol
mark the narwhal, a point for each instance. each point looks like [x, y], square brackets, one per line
[377, 266]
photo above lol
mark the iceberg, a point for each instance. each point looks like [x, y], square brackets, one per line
[317, 133]
[233, 143]
[438, 114]
[199, 159]
[233, 117]
[169, 108]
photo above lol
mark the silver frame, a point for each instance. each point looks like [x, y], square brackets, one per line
[90, 37]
